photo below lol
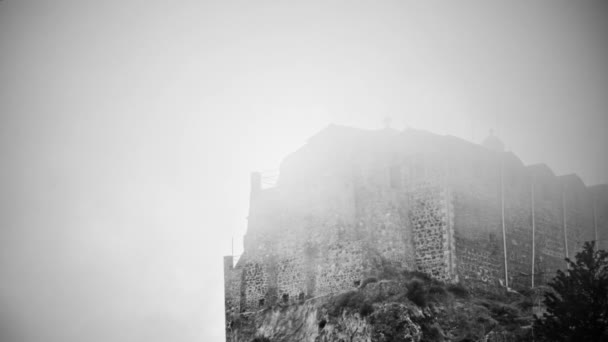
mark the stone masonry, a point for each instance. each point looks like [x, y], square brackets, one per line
[352, 199]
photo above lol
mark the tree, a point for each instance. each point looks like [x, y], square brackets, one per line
[577, 306]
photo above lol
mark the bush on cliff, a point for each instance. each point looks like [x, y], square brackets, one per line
[354, 301]
[424, 291]
[504, 313]
[417, 292]
[577, 306]
[365, 309]
[440, 311]
[409, 275]
[458, 290]
[261, 339]
[392, 323]
[368, 281]
[438, 293]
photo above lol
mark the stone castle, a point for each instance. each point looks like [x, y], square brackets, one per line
[352, 201]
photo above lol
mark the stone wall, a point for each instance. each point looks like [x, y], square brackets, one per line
[291, 278]
[517, 191]
[455, 210]
[255, 284]
[382, 220]
[478, 236]
[562, 218]
[341, 268]
[477, 219]
[578, 216]
[297, 235]
[232, 286]
[430, 218]
[600, 213]
[550, 239]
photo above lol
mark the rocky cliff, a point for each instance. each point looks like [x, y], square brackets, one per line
[411, 307]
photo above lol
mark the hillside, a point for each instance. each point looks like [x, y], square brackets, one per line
[407, 306]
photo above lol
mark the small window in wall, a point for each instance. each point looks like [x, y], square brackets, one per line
[261, 302]
[357, 282]
[285, 298]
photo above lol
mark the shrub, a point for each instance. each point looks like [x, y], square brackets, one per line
[472, 326]
[261, 339]
[417, 293]
[506, 314]
[458, 290]
[525, 304]
[365, 309]
[417, 275]
[368, 281]
[579, 297]
[437, 293]
[340, 302]
[432, 333]
[388, 323]
[351, 300]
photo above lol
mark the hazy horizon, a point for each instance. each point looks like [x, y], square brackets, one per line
[129, 130]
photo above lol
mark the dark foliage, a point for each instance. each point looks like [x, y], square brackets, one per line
[432, 333]
[353, 301]
[322, 324]
[506, 314]
[577, 306]
[525, 304]
[368, 281]
[340, 302]
[417, 293]
[261, 339]
[389, 324]
[417, 275]
[365, 309]
[458, 290]
[471, 323]
[437, 293]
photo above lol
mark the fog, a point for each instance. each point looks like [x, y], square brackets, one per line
[129, 129]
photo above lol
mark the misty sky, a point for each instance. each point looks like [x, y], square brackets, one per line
[129, 128]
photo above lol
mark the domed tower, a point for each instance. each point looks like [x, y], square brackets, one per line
[493, 143]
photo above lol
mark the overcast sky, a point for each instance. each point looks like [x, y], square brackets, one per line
[129, 128]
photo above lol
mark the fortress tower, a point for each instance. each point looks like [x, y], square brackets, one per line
[352, 201]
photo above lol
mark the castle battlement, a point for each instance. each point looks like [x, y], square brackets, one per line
[352, 200]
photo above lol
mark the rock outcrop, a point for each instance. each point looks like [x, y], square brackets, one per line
[412, 308]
